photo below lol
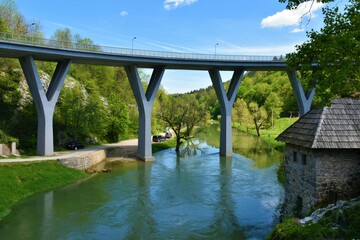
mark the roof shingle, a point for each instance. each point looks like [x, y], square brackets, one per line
[336, 127]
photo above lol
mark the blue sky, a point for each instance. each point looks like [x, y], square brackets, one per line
[252, 27]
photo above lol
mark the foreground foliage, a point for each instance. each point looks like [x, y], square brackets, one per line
[20, 180]
[335, 225]
[335, 51]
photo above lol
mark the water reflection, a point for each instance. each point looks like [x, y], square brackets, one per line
[244, 144]
[203, 197]
[226, 221]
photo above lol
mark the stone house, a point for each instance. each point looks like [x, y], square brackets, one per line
[322, 160]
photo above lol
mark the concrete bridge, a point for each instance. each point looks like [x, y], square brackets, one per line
[28, 49]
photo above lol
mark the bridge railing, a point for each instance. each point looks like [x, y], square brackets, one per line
[131, 52]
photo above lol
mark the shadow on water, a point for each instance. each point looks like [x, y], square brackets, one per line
[195, 196]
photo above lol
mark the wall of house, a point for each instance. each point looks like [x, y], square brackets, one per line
[300, 181]
[338, 175]
[319, 177]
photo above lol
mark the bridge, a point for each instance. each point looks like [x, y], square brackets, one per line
[28, 49]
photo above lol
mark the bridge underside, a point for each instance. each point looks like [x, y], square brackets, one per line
[45, 102]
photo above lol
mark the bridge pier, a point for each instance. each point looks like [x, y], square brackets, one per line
[44, 102]
[303, 99]
[226, 101]
[145, 103]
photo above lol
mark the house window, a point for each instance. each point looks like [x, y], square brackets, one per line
[294, 156]
[303, 159]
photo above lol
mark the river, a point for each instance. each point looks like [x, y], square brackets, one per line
[201, 196]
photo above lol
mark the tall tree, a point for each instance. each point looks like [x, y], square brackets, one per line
[118, 119]
[334, 50]
[85, 43]
[11, 18]
[241, 112]
[63, 38]
[182, 114]
[259, 116]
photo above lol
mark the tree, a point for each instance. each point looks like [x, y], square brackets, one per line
[9, 91]
[85, 43]
[335, 51]
[70, 111]
[241, 112]
[291, 4]
[273, 105]
[259, 116]
[118, 119]
[63, 38]
[10, 18]
[182, 114]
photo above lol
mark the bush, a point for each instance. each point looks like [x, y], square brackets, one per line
[7, 139]
[336, 224]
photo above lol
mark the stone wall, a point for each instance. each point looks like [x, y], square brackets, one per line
[300, 181]
[85, 161]
[316, 177]
[90, 159]
[338, 175]
[4, 150]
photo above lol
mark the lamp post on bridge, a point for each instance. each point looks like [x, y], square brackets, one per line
[132, 44]
[217, 44]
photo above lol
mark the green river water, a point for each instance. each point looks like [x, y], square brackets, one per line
[201, 196]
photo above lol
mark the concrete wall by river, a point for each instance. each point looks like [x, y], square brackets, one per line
[92, 158]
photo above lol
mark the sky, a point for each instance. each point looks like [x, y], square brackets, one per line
[238, 27]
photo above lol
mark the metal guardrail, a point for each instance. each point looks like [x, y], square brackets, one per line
[132, 52]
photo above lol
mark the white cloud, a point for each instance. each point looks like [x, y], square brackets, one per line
[298, 30]
[171, 4]
[124, 13]
[292, 17]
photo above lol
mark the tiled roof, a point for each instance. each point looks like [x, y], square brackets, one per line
[336, 127]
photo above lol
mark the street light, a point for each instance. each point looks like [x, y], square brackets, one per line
[217, 44]
[132, 44]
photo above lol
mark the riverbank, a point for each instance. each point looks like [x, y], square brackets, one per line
[21, 178]
[269, 135]
[340, 221]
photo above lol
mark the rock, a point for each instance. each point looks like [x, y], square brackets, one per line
[107, 170]
[90, 170]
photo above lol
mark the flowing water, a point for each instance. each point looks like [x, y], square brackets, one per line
[192, 197]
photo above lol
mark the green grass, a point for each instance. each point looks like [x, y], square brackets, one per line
[170, 143]
[335, 225]
[269, 135]
[20, 180]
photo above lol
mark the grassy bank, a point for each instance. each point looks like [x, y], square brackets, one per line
[337, 224]
[20, 180]
[269, 135]
[170, 143]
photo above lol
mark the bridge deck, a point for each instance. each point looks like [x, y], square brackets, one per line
[99, 55]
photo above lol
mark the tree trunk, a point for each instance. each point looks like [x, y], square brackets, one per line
[178, 143]
[257, 127]
[257, 130]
